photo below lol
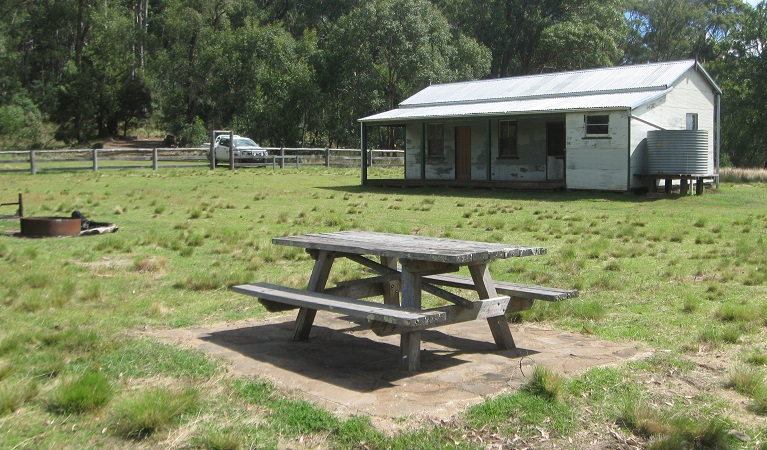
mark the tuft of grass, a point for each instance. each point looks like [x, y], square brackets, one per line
[87, 392]
[14, 395]
[143, 413]
[150, 264]
[756, 357]
[225, 439]
[746, 380]
[6, 369]
[690, 303]
[759, 404]
[545, 383]
[643, 420]
[694, 434]
[730, 312]
[710, 338]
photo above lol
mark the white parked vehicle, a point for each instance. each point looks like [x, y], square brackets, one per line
[245, 150]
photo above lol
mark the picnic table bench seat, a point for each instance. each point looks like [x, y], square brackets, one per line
[522, 295]
[378, 312]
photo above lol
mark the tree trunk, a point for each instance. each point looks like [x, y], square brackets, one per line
[82, 30]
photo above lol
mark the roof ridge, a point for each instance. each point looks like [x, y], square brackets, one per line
[551, 74]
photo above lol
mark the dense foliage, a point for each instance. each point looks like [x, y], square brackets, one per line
[302, 73]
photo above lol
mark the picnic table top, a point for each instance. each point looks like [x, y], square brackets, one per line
[422, 248]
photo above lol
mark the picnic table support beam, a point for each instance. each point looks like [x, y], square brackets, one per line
[499, 327]
[317, 282]
[410, 342]
[390, 287]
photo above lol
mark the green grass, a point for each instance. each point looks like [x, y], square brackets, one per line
[681, 276]
[143, 413]
[83, 393]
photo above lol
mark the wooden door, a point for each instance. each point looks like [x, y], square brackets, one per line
[463, 153]
[556, 143]
[556, 140]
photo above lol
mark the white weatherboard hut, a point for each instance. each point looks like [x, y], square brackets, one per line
[586, 129]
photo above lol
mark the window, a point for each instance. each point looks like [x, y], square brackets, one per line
[435, 143]
[597, 125]
[692, 121]
[507, 139]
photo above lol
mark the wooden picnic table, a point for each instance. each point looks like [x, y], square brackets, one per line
[407, 267]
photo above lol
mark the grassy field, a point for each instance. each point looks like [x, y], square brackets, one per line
[684, 276]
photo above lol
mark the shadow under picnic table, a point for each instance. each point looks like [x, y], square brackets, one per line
[348, 354]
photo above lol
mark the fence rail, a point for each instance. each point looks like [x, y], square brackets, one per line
[36, 161]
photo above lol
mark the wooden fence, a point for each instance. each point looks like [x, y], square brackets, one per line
[36, 161]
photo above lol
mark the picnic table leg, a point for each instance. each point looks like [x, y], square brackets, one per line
[499, 327]
[390, 288]
[410, 343]
[317, 282]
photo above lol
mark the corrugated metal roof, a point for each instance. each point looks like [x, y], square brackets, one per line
[607, 88]
[626, 100]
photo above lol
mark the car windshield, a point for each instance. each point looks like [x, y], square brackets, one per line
[244, 142]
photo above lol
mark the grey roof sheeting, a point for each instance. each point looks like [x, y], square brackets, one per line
[623, 87]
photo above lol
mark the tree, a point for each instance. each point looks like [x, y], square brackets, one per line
[91, 98]
[384, 51]
[533, 36]
[742, 74]
[666, 30]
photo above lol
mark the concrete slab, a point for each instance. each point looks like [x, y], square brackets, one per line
[347, 369]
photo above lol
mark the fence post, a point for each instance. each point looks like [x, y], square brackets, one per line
[95, 159]
[327, 157]
[282, 158]
[231, 151]
[212, 154]
[154, 159]
[274, 162]
[32, 165]
[297, 158]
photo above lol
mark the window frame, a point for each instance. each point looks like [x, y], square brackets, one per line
[512, 149]
[692, 121]
[594, 127]
[435, 140]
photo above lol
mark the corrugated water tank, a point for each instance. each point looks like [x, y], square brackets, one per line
[678, 152]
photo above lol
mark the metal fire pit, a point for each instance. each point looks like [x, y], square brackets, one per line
[50, 226]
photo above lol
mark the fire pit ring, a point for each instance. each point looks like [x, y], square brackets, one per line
[50, 226]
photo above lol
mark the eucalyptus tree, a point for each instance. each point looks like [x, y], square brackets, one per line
[219, 65]
[742, 73]
[532, 36]
[383, 52]
[665, 30]
[102, 92]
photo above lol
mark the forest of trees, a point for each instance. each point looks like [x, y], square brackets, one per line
[301, 72]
